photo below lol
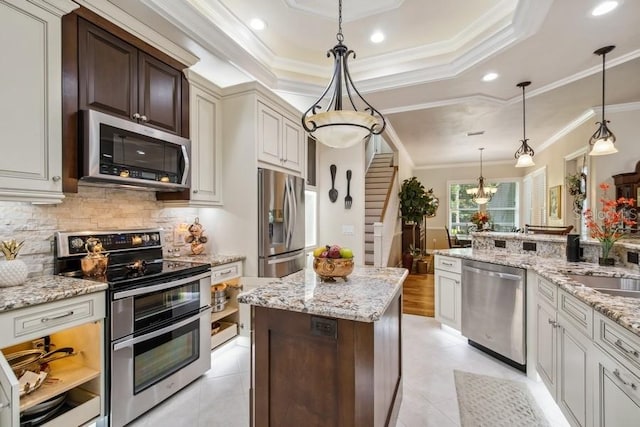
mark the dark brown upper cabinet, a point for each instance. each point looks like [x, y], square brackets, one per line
[117, 78]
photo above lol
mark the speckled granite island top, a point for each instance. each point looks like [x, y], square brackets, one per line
[623, 310]
[39, 290]
[214, 260]
[364, 297]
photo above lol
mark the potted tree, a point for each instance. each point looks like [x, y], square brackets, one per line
[415, 203]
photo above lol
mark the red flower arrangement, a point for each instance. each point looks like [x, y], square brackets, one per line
[613, 220]
[480, 218]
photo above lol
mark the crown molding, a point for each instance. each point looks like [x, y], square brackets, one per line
[147, 34]
[188, 19]
[56, 7]
[464, 165]
[348, 14]
[445, 103]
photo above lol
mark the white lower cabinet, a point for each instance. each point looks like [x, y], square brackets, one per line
[447, 292]
[80, 376]
[617, 393]
[546, 345]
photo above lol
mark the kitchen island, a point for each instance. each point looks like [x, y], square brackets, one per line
[328, 353]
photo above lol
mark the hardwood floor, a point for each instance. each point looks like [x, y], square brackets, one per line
[418, 295]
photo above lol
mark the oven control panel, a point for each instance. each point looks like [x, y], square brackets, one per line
[75, 244]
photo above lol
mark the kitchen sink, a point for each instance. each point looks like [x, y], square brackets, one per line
[617, 286]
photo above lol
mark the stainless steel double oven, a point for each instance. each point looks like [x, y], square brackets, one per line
[158, 319]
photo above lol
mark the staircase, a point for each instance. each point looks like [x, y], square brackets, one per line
[378, 181]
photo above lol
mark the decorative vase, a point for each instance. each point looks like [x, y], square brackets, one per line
[606, 261]
[13, 272]
[407, 261]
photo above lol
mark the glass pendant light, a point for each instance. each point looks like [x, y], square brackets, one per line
[602, 141]
[336, 127]
[480, 194]
[525, 153]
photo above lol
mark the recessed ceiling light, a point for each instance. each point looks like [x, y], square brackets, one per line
[604, 8]
[377, 37]
[489, 77]
[257, 24]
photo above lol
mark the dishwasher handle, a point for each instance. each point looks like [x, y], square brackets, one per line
[489, 273]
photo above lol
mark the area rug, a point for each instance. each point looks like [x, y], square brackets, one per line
[495, 402]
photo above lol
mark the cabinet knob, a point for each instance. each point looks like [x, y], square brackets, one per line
[136, 116]
[144, 118]
[195, 191]
[554, 323]
[241, 325]
[56, 178]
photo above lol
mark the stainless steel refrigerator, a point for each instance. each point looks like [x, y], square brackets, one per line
[280, 223]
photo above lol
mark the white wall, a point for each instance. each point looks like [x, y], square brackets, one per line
[333, 216]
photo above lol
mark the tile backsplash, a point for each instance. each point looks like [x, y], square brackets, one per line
[92, 208]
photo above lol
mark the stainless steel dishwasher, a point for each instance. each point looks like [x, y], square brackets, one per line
[493, 310]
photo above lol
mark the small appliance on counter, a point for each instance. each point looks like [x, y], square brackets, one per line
[573, 248]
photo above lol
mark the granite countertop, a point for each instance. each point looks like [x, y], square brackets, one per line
[364, 297]
[214, 260]
[623, 310]
[39, 290]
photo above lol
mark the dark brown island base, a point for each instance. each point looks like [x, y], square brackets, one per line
[328, 354]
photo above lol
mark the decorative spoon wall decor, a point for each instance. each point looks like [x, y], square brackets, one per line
[333, 193]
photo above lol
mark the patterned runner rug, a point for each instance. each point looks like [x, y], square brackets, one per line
[494, 402]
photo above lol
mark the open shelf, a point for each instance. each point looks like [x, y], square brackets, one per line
[226, 332]
[224, 313]
[61, 378]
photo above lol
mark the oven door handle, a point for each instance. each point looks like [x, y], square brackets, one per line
[204, 311]
[159, 287]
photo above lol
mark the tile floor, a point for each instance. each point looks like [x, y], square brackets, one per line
[221, 398]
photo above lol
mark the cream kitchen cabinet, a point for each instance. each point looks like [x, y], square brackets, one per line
[205, 127]
[30, 112]
[75, 322]
[448, 297]
[617, 375]
[280, 139]
[564, 351]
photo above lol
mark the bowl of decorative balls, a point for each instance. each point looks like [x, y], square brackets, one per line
[332, 261]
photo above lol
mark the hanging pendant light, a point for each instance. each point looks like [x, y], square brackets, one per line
[336, 127]
[480, 194]
[602, 141]
[525, 153]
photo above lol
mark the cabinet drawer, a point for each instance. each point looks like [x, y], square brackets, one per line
[622, 344]
[454, 265]
[44, 320]
[547, 292]
[224, 272]
[578, 313]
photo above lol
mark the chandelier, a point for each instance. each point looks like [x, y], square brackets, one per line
[525, 153]
[480, 194]
[602, 140]
[337, 127]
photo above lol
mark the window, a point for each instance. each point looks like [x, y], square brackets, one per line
[503, 207]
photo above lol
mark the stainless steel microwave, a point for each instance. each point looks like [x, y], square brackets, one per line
[122, 152]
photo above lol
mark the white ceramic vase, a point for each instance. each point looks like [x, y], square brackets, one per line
[13, 272]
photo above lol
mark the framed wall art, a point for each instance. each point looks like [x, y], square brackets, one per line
[555, 202]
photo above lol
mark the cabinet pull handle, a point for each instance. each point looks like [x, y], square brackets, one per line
[56, 178]
[221, 273]
[617, 374]
[136, 116]
[48, 319]
[5, 405]
[450, 264]
[195, 191]
[620, 345]
[554, 323]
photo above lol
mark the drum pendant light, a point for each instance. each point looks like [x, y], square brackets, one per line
[481, 195]
[337, 127]
[602, 141]
[525, 153]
